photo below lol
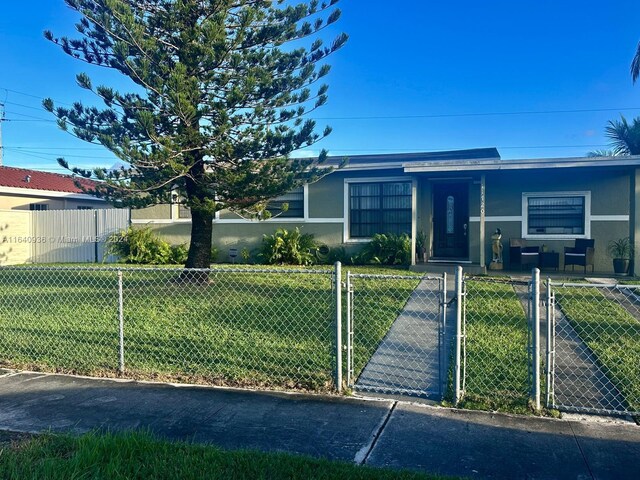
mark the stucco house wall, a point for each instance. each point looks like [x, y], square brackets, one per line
[606, 183]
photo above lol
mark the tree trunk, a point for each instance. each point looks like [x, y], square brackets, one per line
[199, 247]
[201, 235]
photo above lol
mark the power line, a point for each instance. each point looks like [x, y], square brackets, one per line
[56, 155]
[30, 95]
[38, 120]
[430, 115]
[40, 109]
[29, 147]
[353, 150]
[28, 116]
[478, 114]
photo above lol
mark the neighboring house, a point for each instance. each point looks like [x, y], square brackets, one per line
[46, 218]
[24, 189]
[457, 198]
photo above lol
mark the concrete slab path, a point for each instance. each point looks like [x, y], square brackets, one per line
[410, 359]
[580, 382]
[372, 432]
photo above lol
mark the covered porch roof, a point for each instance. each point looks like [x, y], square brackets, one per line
[467, 165]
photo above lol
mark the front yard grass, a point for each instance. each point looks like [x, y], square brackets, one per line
[141, 456]
[496, 348]
[610, 332]
[245, 328]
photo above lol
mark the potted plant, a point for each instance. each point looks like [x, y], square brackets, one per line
[421, 246]
[620, 251]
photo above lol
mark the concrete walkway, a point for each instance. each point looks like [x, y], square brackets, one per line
[410, 360]
[580, 382]
[372, 432]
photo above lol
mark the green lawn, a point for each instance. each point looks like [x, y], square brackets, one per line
[611, 333]
[140, 456]
[244, 328]
[496, 348]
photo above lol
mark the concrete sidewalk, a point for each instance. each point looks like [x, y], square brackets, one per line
[375, 432]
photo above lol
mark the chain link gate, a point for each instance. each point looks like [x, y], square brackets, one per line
[497, 343]
[397, 334]
[593, 348]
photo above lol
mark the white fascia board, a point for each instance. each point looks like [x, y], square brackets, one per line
[32, 192]
[471, 165]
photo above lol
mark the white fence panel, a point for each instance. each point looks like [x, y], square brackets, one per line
[64, 236]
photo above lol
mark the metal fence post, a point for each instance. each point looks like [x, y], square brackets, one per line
[442, 328]
[121, 321]
[338, 324]
[535, 321]
[458, 355]
[349, 291]
[550, 332]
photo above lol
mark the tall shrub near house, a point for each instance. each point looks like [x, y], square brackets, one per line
[289, 247]
[142, 246]
[387, 249]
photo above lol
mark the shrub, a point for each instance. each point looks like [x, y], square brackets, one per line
[179, 254]
[288, 247]
[387, 249]
[142, 246]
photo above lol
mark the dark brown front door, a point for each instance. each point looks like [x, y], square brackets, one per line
[450, 220]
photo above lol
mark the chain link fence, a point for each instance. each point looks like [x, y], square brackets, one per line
[496, 344]
[594, 349]
[242, 327]
[396, 334]
[478, 345]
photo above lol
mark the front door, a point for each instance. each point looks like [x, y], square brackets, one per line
[451, 221]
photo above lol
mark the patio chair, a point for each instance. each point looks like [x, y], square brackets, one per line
[521, 254]
[580, 254]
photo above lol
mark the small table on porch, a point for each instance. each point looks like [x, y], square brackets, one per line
[549, 260]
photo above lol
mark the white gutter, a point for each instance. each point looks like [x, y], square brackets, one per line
[34, 192]
[474, 165]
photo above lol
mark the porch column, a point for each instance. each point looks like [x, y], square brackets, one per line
[414, 217]
[482, 215]
[634, 219]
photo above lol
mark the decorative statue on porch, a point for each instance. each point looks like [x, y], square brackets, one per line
[496, 248]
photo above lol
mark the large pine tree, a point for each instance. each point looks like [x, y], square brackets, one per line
[223, 87]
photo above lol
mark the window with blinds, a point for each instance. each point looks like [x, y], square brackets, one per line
[184, 211]
[559, 215]
[295, 199]
[381, 207]
[38, 207]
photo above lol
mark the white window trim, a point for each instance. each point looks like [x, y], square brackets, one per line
[555, 236]
[346, 234]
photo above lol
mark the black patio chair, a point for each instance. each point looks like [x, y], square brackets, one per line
[581, 254]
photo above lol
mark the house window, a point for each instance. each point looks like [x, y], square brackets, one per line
[381, 207]
[552, 214]
[83, 207]
[38, 206]
[184, 211]
[295, 199]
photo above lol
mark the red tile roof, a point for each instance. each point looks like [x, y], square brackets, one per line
[36, 180]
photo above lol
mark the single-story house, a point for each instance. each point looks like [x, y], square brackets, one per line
[456, 198]
[25, 189]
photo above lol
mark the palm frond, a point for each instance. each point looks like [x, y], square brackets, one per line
[635, 65]
[601, 153]
[624, 136]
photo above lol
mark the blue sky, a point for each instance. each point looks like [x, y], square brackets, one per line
[449, 65]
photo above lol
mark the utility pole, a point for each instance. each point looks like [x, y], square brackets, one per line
[2, 119]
